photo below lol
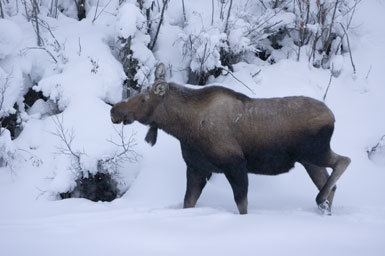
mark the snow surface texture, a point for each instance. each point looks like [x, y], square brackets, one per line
[148, 219]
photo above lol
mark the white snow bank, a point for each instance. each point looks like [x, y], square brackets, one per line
[283, 218]
[10, 38]
[128, 20]
[7, 147]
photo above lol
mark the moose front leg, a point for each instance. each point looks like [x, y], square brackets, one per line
[239, 183]
[196, 181]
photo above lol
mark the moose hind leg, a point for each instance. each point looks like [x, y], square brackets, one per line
[319, 176]
[338, 164]
[239, 183]
[196, 181]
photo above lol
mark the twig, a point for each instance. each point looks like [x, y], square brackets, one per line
[356, 2]
[35, 11]
[96, 11]
[67, 138]
[231, 73]
[212, 12]
[374, 148]
[42, 48]
[329, 41]
[53, 9]
[348, 25]
[3, 89]
[263, 4]
[258, 27]
[42, 192]
[26, 10]
[1, 10]
[367, 74]
[228, 16]
[159, 25]
[95, 18]
[127, 154]
[184, 12]
[257, 73]
[46, 25]
[221, 16]
[350, 51]
[330, 82]
[80, 47]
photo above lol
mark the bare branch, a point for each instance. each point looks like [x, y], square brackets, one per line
[375, 147]
[96, 12]
[41, 48]
[67, 138]
[184, 12]
[3, 90]
[329, 40]
[80, 47]
[228, 17]
[330, 82]
[26, 10]
[35, 13]
[231, 73]
[1, 10]
[45, 25]
[212, 12]
[367, 74]
[263, 4]
[159, 25]
[97, 15]
[127, 154]
[350, 51]
[53, 9]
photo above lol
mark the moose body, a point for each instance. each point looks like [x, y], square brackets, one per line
[227, 132]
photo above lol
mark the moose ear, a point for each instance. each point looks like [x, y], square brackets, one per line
[160, 72]
[160, 88]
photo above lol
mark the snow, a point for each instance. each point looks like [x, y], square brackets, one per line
[148, 218]
[7, 148]
[10, 37]
[129, 19]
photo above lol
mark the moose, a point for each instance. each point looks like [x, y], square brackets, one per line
[222, 131]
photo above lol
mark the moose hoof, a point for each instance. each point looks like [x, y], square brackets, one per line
[325, 208]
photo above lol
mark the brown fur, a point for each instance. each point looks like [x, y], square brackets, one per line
[224, 131]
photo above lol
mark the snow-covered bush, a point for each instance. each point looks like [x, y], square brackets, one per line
[201, 49]
[133, 37]
[275, 30]
[7, 148]
[70, 72]
[315, 29]
[95, 187]
[97, 179]
[10, 90]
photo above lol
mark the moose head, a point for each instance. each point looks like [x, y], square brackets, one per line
[141, 106]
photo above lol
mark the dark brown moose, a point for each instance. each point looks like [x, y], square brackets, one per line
[223, 131]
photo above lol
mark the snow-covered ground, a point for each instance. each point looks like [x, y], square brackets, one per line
[148, 219]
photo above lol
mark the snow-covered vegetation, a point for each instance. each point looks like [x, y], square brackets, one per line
[63, 63]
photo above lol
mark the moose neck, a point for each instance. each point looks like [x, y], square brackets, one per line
[176, 114]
